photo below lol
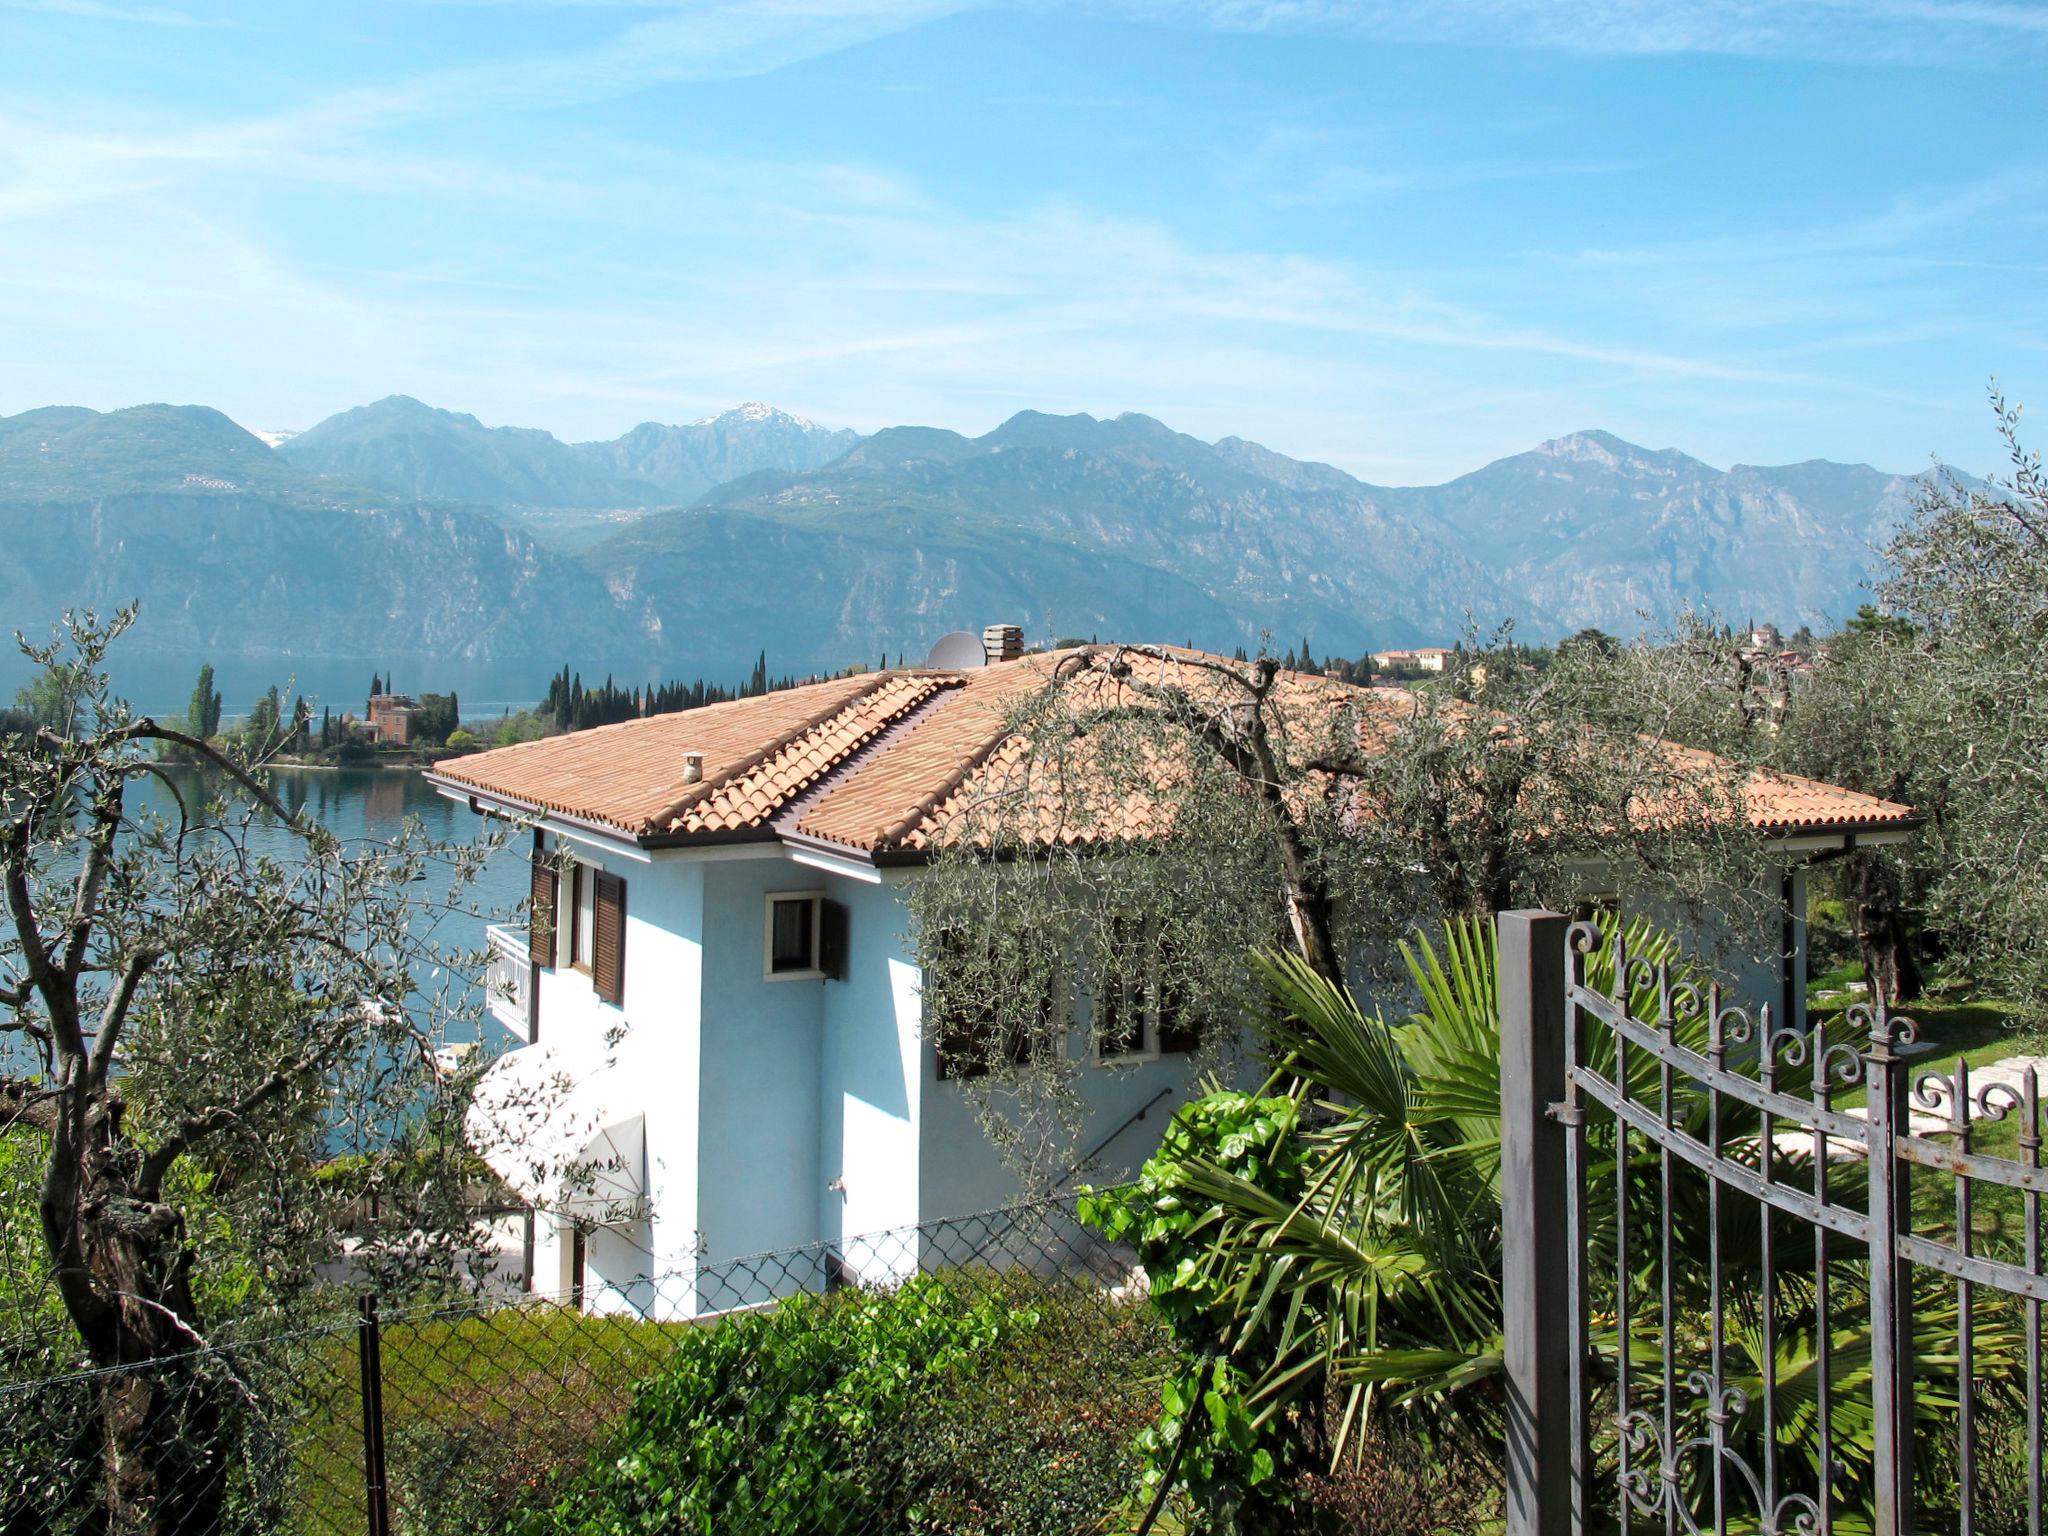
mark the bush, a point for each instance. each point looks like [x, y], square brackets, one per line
[971, 1402]
[1392, 1484]
[1041, 1438]
[1233, 1468]
[476, 1467]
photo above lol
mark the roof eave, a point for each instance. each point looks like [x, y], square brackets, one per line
[498, 802]
[1866, 827]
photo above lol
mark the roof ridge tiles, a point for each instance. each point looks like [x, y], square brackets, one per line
[897, 832]
[791, 817]
[666, 819]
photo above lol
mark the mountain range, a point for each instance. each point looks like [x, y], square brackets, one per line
[399, 531]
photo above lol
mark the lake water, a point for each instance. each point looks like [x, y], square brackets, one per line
[370, 805]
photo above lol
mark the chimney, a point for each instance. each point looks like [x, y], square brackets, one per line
[693, 767]
[1002, 642]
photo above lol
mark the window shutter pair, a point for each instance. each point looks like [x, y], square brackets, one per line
[608, 947]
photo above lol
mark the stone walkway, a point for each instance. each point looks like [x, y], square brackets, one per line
[2010, 1072]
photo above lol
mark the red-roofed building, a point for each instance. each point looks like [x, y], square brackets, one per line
[728, 977]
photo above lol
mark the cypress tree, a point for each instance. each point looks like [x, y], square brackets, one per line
[202, 715]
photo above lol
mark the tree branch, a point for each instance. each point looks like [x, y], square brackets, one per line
[115, 1013]
[194, 1127]
[26, 1103]
[44, 977]
[92, 875]
[147, 729]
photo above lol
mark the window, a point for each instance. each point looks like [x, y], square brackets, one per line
[579, 920]
[790, 950]
[1140, 1004]
[583, 915]
[970, 1039]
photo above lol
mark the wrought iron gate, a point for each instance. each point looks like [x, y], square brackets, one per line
[1738, 1300]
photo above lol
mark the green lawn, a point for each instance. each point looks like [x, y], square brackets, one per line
[470, 1403]
[1981, 1031]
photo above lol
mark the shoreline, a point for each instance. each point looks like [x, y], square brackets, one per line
[411, 765]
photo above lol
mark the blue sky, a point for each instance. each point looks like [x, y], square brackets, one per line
[1406, 238]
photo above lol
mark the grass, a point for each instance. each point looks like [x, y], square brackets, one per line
[1979, 1031]
[496, 1400]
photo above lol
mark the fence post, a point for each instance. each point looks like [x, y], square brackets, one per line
[1536, 1265]
[1891, 1292]
[370, 1354]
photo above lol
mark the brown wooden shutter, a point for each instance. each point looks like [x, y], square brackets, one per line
[832, 939]
[540, 929]
[608, 947]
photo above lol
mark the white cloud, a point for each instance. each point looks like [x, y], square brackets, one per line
[1875, 31]
[95, 10]
[133, 252]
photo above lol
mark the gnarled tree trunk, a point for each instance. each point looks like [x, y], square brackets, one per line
[1891, 969]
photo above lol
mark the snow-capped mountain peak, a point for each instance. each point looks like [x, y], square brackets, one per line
[756, 411]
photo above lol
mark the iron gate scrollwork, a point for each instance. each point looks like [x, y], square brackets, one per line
[1734, 1315]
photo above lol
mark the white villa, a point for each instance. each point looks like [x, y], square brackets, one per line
[725, 1017]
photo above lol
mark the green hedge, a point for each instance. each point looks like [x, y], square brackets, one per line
[964, 1402]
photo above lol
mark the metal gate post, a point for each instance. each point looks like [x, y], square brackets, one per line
[1891, 1293]
[1536, 1264]
[370, 1354]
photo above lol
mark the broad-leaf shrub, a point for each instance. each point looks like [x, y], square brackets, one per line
[1228, 1454]
[924, 1408]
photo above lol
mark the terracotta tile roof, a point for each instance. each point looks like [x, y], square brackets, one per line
[1784, 802]
[884, 802]
[750, 797]
[914, 752]
[758, 753]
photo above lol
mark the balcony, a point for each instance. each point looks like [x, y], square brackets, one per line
[508, 983]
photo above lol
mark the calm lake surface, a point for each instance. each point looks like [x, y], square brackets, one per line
[371, 805]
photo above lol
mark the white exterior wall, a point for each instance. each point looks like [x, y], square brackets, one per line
[654, 1072]
[872, 1089]
[757, 1130]
[961, 1173]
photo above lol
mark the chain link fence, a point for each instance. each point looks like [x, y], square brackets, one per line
[994, 1382]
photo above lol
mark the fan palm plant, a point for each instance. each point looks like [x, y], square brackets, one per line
[1329, 1249]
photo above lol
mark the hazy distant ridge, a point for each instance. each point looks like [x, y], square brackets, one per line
[403, 532]
[404, 448]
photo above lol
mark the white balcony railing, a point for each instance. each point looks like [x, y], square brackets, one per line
[509, 981]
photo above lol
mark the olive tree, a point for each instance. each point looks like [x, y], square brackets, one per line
[192, 1032]
[1971, 570]
[1854, 718]
[1860, 718]
[1156, 816]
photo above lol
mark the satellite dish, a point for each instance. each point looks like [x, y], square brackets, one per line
[957, 652]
